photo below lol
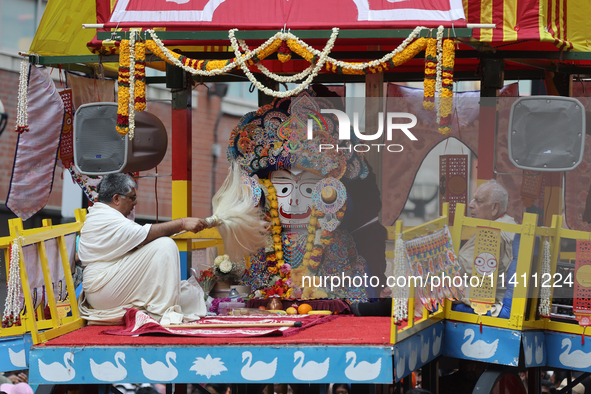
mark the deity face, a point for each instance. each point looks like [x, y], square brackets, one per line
[294, 196]
[485, 263]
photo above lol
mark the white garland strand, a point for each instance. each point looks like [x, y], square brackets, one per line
[544, 306]
[22, 117]
[270, 92]
[438, 83]
[373, 63]
[399, 294]
[277, 77]
[12, 304]
[220, 71]
[131, 103]
[311, 72]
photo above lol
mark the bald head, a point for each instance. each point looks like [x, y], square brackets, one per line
[489, 202]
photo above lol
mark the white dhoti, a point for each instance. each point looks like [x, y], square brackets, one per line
[146, 278]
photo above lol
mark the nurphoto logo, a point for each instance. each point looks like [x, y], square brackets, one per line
[345, 131]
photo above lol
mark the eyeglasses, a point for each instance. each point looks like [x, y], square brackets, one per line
[133, 198]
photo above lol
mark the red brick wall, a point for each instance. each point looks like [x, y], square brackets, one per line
[205, 113]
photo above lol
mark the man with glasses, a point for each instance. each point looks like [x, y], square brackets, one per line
[132, 266]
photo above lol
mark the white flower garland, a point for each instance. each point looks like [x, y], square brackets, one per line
[131, 103]
[544, 306]
[12, 304]
[438, 82]
[311, 72]
[399, 294]
[277, 77]
[224, 70]
[22, 117]
[270, 92]
[373, 63]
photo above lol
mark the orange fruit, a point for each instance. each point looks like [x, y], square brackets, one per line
[304, 309]
[291, 311]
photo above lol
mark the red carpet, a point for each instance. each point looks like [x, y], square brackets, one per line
[345, 330]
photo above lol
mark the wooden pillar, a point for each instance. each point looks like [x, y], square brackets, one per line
[557, 84]
[493, 70]
[374, 98]
[182, 129]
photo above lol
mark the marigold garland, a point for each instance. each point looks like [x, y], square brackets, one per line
[275, 260]
[123, 89]
[400, 55]
[447, 82]
[140, 76]
[318, 238]
[430, 74]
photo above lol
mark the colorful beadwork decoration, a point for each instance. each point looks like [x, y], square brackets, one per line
[329, 208]
[66, 152]
[275, 138]
[253, 183]
[582, 291]
[432, 256]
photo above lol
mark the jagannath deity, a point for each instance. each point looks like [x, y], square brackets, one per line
[320, 204]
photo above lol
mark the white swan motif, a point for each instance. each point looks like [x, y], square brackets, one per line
[312, 370]
[527, 350]
[363, 370]
[56, 372]
[18, 359]
[577, 359]
[208, 366]
[400, 365]
[159, 371]
[437, 343]
[539, 352]
[412, 358]
[425, 351]
[107, 371]
[258, 370]
[478, 349]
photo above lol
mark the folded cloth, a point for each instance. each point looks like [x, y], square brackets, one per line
[139, 323]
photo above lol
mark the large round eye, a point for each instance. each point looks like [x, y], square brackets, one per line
[492, 263]
[283, 189]
[306, 189]
[479, 261]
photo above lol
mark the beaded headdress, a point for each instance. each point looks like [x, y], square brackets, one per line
[275, 137]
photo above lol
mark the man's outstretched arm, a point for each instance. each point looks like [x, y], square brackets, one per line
[167, 229]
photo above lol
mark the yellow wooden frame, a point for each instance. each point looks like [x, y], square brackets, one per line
[555, 253]
[44, 329]
[524, 295]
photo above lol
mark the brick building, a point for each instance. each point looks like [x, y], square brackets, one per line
[155, 192]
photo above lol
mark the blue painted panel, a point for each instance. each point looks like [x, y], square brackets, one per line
[493, 345]
[416, 351]
[566, 351]
[211, 364]
[534, 349]
[14, 352]
[184, 257]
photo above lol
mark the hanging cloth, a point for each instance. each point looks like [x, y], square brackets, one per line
[37, 149]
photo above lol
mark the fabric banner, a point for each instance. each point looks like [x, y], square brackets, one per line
[139, 323]
[37, 149]
[292, 14]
